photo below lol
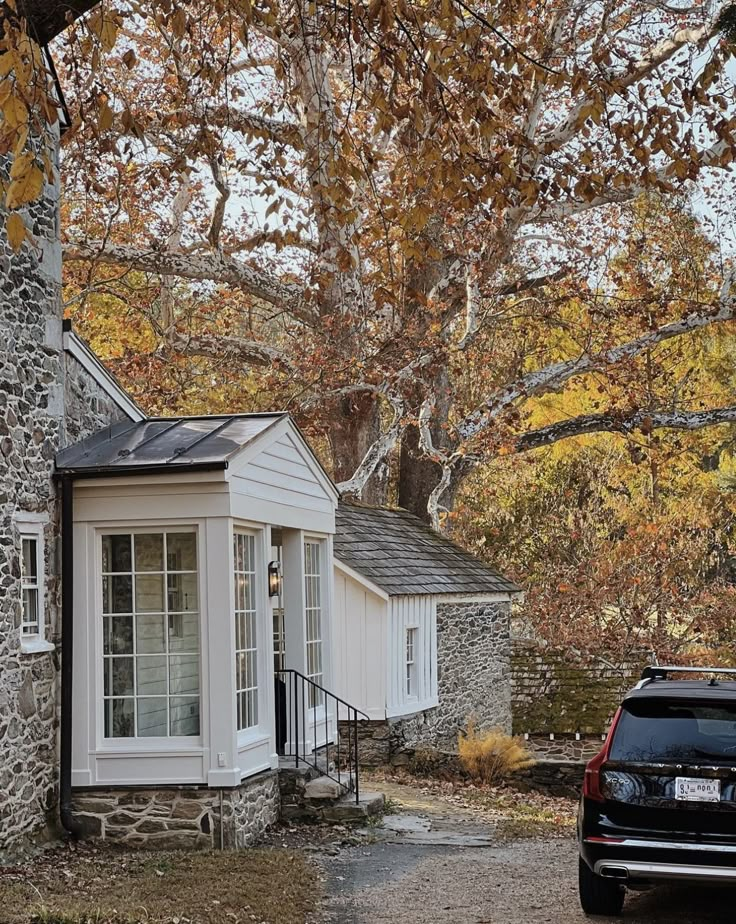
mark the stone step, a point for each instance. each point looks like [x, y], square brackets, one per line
[347, 811]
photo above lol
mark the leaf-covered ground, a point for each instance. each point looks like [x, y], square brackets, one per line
[515, 814]
[99, 885]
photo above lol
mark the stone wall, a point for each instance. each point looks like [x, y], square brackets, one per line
[552, 777]
[181, 817]
[473, 651]
[87, 406]
[32, 429]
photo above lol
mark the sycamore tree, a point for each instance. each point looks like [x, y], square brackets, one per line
[370, 209]
[627, 544]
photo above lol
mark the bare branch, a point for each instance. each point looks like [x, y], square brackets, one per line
[249, 352]
[385, 443]
[614, 422]
[223, 194]
[212, 267]
[557, 374]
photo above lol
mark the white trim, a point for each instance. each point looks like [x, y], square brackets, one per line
[76, 347]
[30, 526]
[360, 579]
[473, 598]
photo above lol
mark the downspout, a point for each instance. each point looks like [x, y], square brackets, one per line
[68, 821]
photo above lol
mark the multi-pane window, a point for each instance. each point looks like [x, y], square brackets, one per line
[411, 665]
[31, 569]
[150, 614]
[246, 637]
[313, 597]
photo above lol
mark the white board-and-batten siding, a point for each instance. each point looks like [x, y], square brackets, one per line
[420, 613]
[361, 640]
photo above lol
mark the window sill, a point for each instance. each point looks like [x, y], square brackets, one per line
[36, 646]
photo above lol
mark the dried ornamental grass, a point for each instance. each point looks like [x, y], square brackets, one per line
[491, 756]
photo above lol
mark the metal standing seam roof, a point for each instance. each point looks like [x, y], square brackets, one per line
[170, 443]
[401, 554]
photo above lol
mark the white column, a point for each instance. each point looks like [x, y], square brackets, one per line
[294, 603]
[218, 649]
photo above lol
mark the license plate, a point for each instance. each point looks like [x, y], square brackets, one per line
[691, 789]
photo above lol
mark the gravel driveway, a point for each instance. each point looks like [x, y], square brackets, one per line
[418, 870]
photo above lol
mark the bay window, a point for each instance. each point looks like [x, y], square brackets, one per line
[151, 637]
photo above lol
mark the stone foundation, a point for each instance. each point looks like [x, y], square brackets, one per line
[181, 817]
[552, 777]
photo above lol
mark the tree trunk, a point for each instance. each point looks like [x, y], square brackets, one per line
[355, 424]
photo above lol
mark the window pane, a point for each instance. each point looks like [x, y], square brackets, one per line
[182, 589]
[184, 674]
[30, 610]
[184, 715]
[149, 552]
[149, 593]
[116, 553]
[153, 720]
[181, 551]
[183, 632]
[119, 718]
[29, 564]
[117, 594]
[150, 634]
[119, 676]
[150, 675]
[118, 635]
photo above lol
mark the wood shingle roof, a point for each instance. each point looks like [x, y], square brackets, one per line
[399, 553]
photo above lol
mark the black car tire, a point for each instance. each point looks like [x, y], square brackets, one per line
[599, 895]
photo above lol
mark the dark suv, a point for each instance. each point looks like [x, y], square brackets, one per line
[659, 800]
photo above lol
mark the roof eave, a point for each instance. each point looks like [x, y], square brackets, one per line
[121, 471]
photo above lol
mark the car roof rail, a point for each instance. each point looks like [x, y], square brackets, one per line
[662, 671]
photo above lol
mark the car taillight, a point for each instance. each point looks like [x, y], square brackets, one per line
[592, 783]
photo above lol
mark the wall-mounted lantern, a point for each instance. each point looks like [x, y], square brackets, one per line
[275, 579]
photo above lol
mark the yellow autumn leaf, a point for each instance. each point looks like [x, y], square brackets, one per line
[25, 188]
[14, 111]
[105, 118]
[21, 165]
[16, 231]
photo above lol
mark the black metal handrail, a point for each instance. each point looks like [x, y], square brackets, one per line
[299, 702]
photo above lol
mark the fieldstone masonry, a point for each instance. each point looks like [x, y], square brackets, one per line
[181, 817]
[37, 414]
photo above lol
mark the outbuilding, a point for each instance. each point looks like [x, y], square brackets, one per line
[422, 632]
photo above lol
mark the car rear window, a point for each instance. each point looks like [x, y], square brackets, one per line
[654, 730]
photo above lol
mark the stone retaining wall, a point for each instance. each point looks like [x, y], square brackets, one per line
[553, 777]
[181, 817]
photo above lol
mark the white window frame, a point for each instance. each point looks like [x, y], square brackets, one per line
[411, 680]
[255, 688]
[322, 609]
[30, 527]
[163, 743]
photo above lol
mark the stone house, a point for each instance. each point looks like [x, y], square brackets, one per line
[422, 633]
[167, 632]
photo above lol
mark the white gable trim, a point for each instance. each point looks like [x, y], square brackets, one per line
[77, 348]
[238, 462]
[360, 579]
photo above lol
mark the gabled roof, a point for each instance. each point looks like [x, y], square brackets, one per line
[167, 444]
[399, 553]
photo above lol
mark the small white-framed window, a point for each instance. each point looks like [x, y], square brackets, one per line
[411, 664]
[246, 631]
[32, 586]
[313, 612]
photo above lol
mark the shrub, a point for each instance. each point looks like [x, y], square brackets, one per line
[491, 756]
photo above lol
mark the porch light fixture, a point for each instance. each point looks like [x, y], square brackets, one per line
[275, 579]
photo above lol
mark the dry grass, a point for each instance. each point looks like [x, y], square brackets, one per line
[491, 756]
[94, 885]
